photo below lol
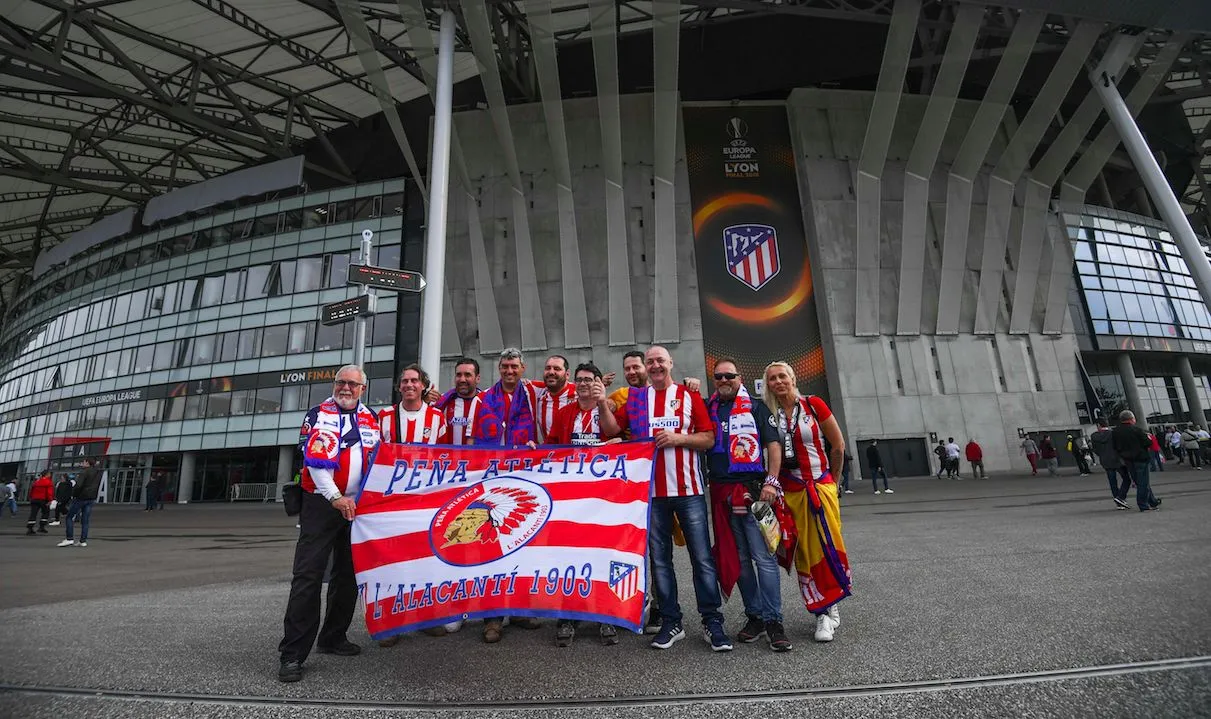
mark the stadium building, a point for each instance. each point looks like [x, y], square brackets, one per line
[922, 206]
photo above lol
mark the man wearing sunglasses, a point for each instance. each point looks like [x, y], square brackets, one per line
[337, 439]
[740, 475]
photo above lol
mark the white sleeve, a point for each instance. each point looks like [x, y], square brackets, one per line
[324, 484]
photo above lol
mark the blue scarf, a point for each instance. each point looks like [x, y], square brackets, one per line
[744, 443]
[518, 427]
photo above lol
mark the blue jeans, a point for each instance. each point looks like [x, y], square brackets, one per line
[84, 509]
[1112, 475]
[845, 477]
[1143, 489]
[691, 514]
[874, 477]
[11, 503]
[761, 590]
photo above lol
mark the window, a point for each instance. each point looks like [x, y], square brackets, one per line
[309, 272]
[268, 400]
[233, 286]
[292, 398]
[143, 358]
[121, 309]
[204, 349]
[242, 402]
[273, 343]
[301, 339]
[281, 278]
[212, 291]
[190, 295]
[257, 285]
[231, 343]
[138, 305]
[318, 393]
[195, 406]
[384, 329]
[249, 344]
[174, 409]
[329, 337]
[219, 405]
[162, 356]
[338, 270]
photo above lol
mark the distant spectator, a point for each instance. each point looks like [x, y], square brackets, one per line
[1204, 444]
[1112, 463]
[1154, 451]
[874, 463]
[152, 493]
[1051, 457]
[1190, 444]
[41, 492]
[845, 469]
[1174, 441]
[1132, 444]
[8, 494]
[1078, 454]
[940, 453]
[952, 459]
[975, 457]
[1031, 450]
[63, 491]
[84, 495]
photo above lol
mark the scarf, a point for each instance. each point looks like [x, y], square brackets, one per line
[744, 444]
[517, 428]
[726, 500]
[637, 412]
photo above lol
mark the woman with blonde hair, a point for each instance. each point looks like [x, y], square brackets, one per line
[812, 444]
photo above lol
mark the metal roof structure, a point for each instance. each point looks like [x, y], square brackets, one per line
[107, 103]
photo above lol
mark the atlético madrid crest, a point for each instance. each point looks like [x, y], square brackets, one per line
[751, 252]
[488, 521]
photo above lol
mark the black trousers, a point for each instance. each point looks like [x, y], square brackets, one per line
[34, 509]
[323, 533]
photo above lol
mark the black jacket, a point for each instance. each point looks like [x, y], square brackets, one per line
[873, 460]
[1103, 447]
[88, 484]
[63, 491]
[1131, 443]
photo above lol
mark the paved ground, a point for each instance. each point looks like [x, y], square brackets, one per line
[959, 585]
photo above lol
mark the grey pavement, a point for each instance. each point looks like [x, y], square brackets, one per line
[953, 580]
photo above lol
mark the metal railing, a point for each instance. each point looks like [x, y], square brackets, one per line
[252, 492]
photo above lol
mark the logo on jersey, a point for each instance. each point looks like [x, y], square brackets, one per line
[427, 431]
[751, 253]
[488, 521]
[624, 580]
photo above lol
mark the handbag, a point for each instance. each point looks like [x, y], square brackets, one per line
[292, 499]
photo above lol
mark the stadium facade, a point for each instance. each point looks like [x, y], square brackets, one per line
[901, 249]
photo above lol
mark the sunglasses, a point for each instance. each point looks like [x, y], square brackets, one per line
[720, 376]
[351, 384]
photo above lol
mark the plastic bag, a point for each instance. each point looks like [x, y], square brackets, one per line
[54, 503]
[767, 522]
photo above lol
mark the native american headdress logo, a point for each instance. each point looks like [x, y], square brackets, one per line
[490, 520]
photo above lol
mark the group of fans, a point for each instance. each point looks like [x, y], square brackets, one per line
[730, 450]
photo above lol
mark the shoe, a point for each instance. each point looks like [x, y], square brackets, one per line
[670, 633]
[1120, 503]
[1158, 503]
[653, 622]
[54, 523]
[66, 543]
[824, 628]
[83, 544]
[835, 615]
[878, 492]
[714, 635]
[525, 622]
[777, 637]
[752, 631]
[390, 641]
[849, 491]
[290, 670]
[344, 649]
[608, 634]
[453, 626]
[435, 631]
[565, 632]
[889, 491]
[31, 532]
[491, 632]
[42, 530]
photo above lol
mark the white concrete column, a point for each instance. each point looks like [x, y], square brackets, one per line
[1190, 387]
[1126, 373]
[185, 481]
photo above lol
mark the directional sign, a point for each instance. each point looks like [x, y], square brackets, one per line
[345, 310]
[386, 278]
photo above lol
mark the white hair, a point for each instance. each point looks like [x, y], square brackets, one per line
[354, 368]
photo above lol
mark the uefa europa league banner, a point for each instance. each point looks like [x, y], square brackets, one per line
[754, 275]
[444, 533]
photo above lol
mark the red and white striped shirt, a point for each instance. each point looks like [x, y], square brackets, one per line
[574, 425]
[426, 425]
[549, 403]
[676, 409]
[809, 436]
[461, 415]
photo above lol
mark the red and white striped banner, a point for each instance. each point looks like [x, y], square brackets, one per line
[445, 532]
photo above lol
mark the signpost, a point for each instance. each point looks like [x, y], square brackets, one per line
[368, 277]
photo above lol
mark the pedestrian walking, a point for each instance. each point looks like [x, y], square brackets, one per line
[1114, 465]
[1031, 449]
[845, 469]
[41, 492]
[1078, 454]
[1154, 451]
[952, 459]
[1190, 444]
[1051, 457]
[975, 457]
[63, 490]
[83, 496]
[9, 496]
[874, 462]
[1132, 444]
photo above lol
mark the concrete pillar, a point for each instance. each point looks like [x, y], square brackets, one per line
[285, 470]
[1191, 389]
[1126, 373]
[185, 482]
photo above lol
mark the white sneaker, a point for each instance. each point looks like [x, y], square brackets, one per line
[66, 543]
[54, 523]
[889, 491]
[824, 628]
[83, 544]
[835, 615]
[878, 492]
[849, 491]
[453, 626]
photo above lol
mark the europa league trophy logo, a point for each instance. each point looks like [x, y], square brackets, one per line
[737, 128]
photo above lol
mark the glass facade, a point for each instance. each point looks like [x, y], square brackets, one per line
[1162, 397]
[1135, 286]
[203, 335]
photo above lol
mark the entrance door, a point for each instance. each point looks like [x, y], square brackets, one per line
[125, 486]
[901, 457]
